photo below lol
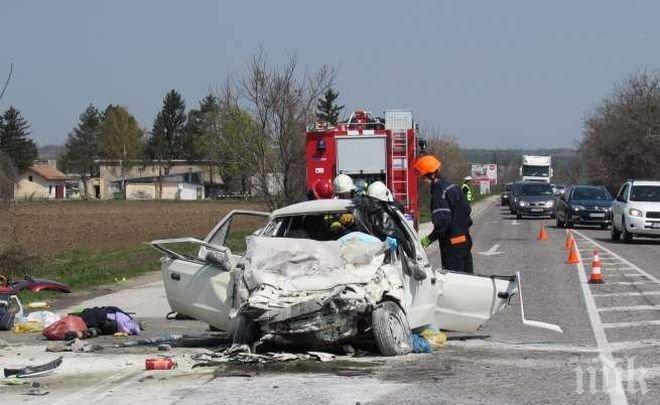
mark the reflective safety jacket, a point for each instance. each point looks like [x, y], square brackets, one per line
[450, 213]
[467, 190]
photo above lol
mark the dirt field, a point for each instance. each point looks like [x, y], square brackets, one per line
[51, 227]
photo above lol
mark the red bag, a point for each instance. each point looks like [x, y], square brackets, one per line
[68, 324]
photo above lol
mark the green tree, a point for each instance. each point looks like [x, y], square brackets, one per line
[82, 145]
[14, 141]
[120, 138]
[327, 109]
[200, 126]
[167, 135]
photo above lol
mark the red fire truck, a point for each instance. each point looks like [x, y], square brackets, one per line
[368, 149]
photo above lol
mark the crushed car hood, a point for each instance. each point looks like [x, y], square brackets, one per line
[303, 265]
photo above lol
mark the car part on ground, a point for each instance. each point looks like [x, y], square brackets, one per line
[33, 371]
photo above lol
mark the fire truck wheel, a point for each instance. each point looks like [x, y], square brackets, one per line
[391, 329]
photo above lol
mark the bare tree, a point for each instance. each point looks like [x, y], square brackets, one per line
[281, 102]
[622, 136]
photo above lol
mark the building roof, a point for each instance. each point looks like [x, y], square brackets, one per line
[48, 172]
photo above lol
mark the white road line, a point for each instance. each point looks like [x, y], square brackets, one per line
[630, 308]
[633, 282]
[655, 322]
[627, 262]
[637, 344]
[627, 294]
[612, 380]
[492, 251]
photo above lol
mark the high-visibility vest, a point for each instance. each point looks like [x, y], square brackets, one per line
[467, 190]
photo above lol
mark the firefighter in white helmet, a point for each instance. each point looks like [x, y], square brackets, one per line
[379, 191]
[344, 187]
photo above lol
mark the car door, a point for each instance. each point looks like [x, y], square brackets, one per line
[200, 285]
[618, 206]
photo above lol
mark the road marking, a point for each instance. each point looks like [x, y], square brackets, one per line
[515, 222]
[492, 251]
[655, 322]
[627, 294]
[637, 344]
[612, 381]
[630, 308]
[627, 262]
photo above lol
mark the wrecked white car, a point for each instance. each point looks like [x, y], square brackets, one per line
[323, 273]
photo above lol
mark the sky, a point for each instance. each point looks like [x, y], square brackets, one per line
[496, 74]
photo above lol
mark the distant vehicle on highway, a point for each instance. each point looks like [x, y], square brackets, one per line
[506, 193]
[513, 197]
[559, 189]
[536, 168]
[585, 205]
[636, 210]
[534, 199]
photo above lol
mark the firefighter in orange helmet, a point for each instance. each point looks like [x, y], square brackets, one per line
[450, 214]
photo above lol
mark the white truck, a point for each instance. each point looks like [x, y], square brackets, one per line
[536, 168]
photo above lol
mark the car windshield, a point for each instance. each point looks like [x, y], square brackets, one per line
[536, 189]
[591, 193]
[645, 193]
[537, 171]
[508, 188]
[321, 227]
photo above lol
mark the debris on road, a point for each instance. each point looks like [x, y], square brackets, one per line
[241, 354]
[159, 364]
[33, 371]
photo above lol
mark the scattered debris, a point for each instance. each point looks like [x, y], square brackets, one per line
[164, 347]
[36, 392]
[241, 356]
[159, 364]
[34, 371]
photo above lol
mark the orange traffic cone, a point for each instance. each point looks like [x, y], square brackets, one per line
[572, 254]
[596, 274]
[569, 240]
[543, 235]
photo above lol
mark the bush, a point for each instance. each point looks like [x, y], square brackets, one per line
[15, 262]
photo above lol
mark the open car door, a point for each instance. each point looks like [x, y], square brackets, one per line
[197, 274]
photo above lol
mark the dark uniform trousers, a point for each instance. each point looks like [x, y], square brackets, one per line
[457, 257]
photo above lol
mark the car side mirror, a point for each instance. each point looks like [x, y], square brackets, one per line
[219, 259]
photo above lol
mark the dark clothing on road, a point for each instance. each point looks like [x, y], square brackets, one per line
[450, 214]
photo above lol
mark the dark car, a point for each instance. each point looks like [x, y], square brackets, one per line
[534, 199]
[513, 197]
[585, 205]
[506, 193]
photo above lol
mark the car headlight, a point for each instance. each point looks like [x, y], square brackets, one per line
[523, 203]
[634, 212]
[578, 208]
[550, 204]
[608, 208]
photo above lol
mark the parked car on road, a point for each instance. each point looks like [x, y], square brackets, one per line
[299, 280]
[585, 205]
[636, 210]
[534, 199]
[506, 194]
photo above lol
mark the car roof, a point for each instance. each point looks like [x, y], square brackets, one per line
[314, 207]
[645, 183]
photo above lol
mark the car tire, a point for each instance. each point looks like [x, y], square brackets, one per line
[604, 226]
[391, 329]
[615, 235]
[625, 235]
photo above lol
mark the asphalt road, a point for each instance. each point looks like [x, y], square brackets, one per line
[610, 330]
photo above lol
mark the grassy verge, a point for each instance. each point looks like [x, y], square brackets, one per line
[82, 269]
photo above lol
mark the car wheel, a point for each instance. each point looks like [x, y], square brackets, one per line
[391, 329]
[615, 235]
[604, 226]
[625, 235]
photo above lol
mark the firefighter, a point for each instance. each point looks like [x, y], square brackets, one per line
[450, 214]
[343, 186]
[379, 191]
[467, 190]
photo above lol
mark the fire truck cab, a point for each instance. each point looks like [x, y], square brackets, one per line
[368, 149]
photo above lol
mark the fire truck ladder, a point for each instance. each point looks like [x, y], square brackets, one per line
[399, 159]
